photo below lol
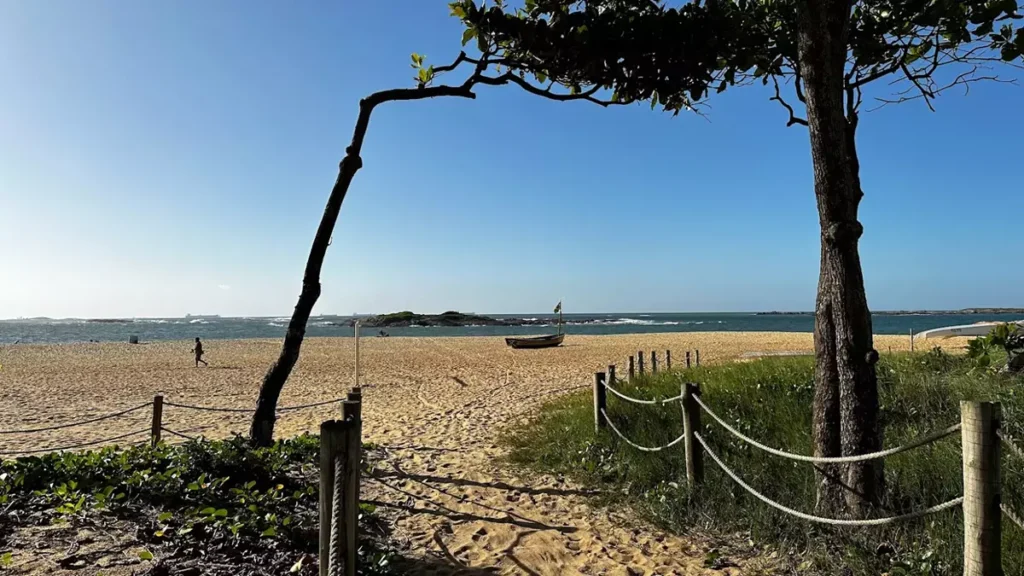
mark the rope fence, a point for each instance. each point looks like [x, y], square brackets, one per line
[73, 446]
[819, 519]
[74, 424]
[155, 430]
[979, 427]
[917, 443]
[639, 401]
[634, 444]
[178, 434]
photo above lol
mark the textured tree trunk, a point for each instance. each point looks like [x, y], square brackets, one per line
[261, 432]
[846, 391]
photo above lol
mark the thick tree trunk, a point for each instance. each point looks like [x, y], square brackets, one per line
[261, 432]
[846, 391]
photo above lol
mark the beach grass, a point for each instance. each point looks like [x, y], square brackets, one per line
[770, 400]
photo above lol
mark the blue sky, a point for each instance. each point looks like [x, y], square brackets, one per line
[158, 159]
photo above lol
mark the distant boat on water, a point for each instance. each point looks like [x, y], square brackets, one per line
[976, 329]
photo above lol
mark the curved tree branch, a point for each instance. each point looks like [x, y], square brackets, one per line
[261, 431]
[793, 118]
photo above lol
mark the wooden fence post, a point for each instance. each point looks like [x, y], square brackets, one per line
[687, 358]
[668, 359]
[632, 373]
[158, 418]
[640, 362]
[356, 333]
[333, 440]
[353, 462]
[979, 422]
[351, 409]
[611, 374]
[600, 401]
[654, 361]
[697, 354]
[911, 339]
[691, 424]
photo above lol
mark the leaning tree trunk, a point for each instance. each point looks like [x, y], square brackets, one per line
[261, 432]
[846, 391]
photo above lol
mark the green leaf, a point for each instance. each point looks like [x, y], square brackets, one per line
[193, 486]
[269, 532]
[208, 511]
[417, 60]
[541, 77]
[297, 567]
[165, 517]
[457, 10]
[159, 533]
[145, 555]
[7, 559]
[468, 35]
[222, 513]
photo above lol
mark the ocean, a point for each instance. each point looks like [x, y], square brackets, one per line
[154, 329]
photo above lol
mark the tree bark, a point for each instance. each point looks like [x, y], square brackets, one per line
[846, 391]
[261, 430]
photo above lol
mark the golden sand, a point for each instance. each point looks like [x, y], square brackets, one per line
[437, 403]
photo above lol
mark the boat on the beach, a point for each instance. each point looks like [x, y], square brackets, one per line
[548, 341]
[976, 329]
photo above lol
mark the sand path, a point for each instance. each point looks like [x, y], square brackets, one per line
[435, 406]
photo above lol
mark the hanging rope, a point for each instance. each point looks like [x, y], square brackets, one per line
[336, 560]
[313, 405]
[829, 459]
[73, 446]
[819, 519]
[634, 444]
[639, 401]
[73, 424]
[205, 408]
[178, 434]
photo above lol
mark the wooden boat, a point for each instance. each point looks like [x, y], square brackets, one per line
[548, 341]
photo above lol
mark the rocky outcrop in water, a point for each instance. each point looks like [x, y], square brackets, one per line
[448, 319]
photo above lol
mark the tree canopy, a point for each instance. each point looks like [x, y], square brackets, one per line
[674, 56]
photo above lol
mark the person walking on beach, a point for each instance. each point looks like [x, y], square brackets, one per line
[199, 353]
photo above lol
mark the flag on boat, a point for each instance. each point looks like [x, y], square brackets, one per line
[558, 307]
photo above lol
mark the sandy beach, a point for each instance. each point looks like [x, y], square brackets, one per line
[435, 404]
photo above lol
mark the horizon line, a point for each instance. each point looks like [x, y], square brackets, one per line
[983, 309]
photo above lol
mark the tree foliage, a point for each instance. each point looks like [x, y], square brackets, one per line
[675, 56]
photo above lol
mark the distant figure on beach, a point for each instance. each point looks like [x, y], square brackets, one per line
[382, 334]
[199, 353]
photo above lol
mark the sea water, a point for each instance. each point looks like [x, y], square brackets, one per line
[155, 329]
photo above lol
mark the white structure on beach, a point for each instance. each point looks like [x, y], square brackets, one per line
[976, 329]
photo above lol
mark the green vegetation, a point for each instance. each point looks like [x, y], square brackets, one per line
[252, 509]
[770, 400]
[1007, 338]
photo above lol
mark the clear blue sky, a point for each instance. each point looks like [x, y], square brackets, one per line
[163, 158]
